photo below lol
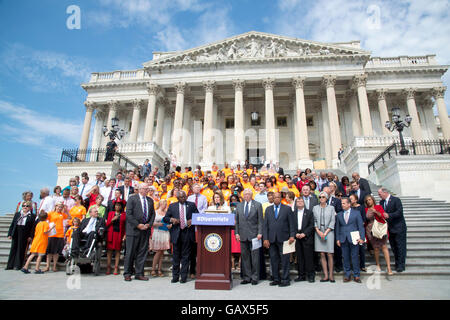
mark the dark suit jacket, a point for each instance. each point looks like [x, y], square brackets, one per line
[362, 195]
[110, 207]
[307, 226]
[355, 223]
[174, 212]
[122, 189]
[29, 225]
[99, 224]
[313, 201]
[396, 221]
[364, 185]
[249, 228]
[135, 214]
[336, 203]
[280, 229]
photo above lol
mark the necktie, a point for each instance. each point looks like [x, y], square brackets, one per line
[110, 194]
[246, 210]
[182, 222]
[307, 202]
[196, 200]
[347, 213]
[145, 209]
[82, 189]
[276, 212]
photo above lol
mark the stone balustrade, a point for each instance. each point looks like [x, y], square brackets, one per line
[401, 61]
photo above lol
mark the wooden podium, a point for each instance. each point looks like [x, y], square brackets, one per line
[213, 250]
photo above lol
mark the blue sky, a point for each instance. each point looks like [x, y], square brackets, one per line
[43, 63]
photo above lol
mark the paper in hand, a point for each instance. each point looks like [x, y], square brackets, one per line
[355, 237]
[288, 248]
[256, 244]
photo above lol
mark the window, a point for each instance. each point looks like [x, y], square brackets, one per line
[281, 121]
[310, 121]
[229, 123]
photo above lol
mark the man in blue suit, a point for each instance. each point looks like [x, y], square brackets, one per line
[347, 221]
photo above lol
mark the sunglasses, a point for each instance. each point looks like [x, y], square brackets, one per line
[26, 206]
[322, 197]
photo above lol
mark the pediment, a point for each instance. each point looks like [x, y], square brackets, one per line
[253, 46]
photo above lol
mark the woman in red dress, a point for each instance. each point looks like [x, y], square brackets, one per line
[376, 212]
[115, 225]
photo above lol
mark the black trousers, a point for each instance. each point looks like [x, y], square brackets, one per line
[193, 258]
[250, 261]
[277, 256]
[18, 247]
[337, 257]
[181, 254]
[362, 256]
[136, 253]
[398, 246]
[76, 241]
[262, 264]
[305, 259]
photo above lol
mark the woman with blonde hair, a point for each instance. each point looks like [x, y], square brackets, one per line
[160, 238]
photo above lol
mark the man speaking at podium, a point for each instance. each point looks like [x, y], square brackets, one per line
[249, 225]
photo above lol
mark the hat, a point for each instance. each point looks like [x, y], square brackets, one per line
[285, 189]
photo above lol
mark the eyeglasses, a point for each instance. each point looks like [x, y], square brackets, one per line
[26, 206]
[322, 197]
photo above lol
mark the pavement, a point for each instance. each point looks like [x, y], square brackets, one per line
[19, 286]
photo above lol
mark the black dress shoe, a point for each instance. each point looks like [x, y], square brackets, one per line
[274, 283]
[127, 278]
[299, 279]
[324, 280]
[311, 280]
[254, 282]
[245, 282]
[183, 281]
[141, 278]
[333, 281]
[284, 284]
[174, 280]
[400, 270]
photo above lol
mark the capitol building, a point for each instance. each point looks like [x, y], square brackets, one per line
[268, 99]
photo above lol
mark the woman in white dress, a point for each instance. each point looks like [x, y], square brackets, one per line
[160, 239]
[219, 202]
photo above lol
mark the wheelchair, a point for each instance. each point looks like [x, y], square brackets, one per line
[90, 254]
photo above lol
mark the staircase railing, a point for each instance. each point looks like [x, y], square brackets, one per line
[95, 155]
[424, 147]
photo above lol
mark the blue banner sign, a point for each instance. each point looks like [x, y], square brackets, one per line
[213, 219]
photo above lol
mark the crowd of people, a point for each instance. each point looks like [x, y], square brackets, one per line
[332, 220]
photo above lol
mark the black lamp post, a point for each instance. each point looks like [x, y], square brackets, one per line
[113, 133]
[399, 125]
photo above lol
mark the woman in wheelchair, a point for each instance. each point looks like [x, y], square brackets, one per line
[90, 229]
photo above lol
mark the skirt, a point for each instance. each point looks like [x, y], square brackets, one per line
[235, 245]
[160, 240]
[55, 245]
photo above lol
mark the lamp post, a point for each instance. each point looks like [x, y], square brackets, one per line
[398, 124]
[113, 133]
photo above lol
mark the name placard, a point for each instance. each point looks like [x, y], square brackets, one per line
[213, 219]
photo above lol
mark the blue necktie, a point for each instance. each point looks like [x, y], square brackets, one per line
[246, 210]
[276, 212]
[145, 210]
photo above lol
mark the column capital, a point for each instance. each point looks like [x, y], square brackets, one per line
[180, 87]
[209, 85]
[190, 99]
[329, 81]
[350, 93]
[268, 83]
[113, 105]
[138, 104]
[238, 84]
[90, 106]
[163, 100]
[360, 80]
[298, 82]
[427, 102]
[438, 92]
[381, 94]
[153, 88]
[409, 93]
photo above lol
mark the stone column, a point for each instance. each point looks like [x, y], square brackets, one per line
[98, 132]
[90, 106]
[160, 121]
[208, 119]
[438, 94]
[416, 130]
[137, 106]
[153, 90]
[301, 133]
[113, 105]
[177, 132]
[187, 135]
[356, 122]
[359, 82]
[382, 108]
[326, 129]
[271, 155]
[239, 132]
[335, 132]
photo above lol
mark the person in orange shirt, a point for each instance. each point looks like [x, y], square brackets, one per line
[39, 244]
[78, 210]
[225, 191]
[270, 187]
[280, 182]
[293, 188]
[163, 191]
[227, 171]
[56, 240]
[238, 170]
[173, 196]
[214, 170]
[208, 192]
[187, 173]
[245, 182]
[68, 236]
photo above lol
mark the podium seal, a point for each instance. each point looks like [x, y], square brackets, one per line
[213, 242]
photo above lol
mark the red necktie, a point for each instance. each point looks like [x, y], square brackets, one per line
[182, 222]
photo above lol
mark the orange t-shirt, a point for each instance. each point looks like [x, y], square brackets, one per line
[77, 212]
[57, 218]
[40, 240]
[208, 193]
[227, 171]
[226, 194]
[69, 233]
[295, 191]
[171, 200]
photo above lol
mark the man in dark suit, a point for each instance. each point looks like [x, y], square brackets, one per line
[140, 215]
[127, 190]
[88, 228]
[309, 199]
[363, 183]
[249, 225]
[347, 221]
[182, 234]
[278, 227]
[331, 178]
[304, 244]
[396, 227]
[356, 189]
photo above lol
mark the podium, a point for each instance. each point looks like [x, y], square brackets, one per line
[213, 250]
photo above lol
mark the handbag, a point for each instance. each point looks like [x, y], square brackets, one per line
[379, 230]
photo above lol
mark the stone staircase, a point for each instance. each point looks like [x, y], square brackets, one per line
[428, 243]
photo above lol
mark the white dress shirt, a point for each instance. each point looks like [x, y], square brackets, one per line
[300, 218]
[47, 204]
[126, 192]
[91, 225]
[105, 193]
